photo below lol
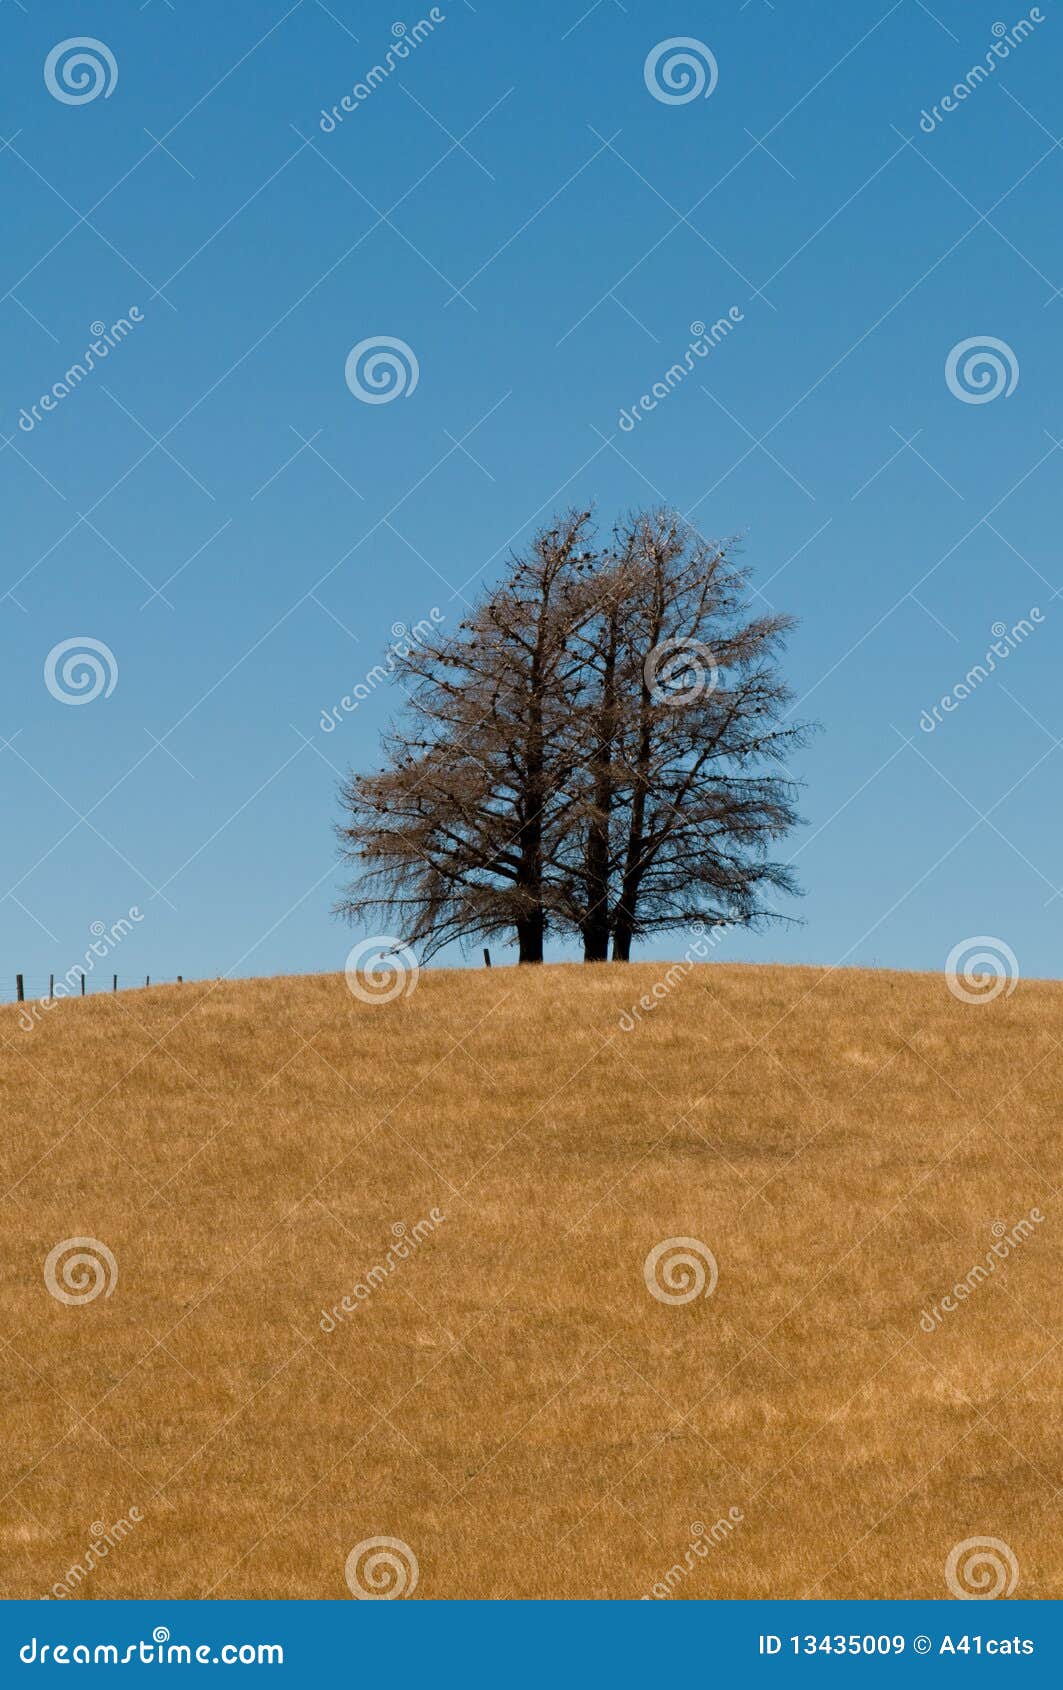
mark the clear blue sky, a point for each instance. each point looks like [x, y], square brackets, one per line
[517, 155]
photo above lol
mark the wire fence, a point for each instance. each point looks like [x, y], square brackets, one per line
[77, 983]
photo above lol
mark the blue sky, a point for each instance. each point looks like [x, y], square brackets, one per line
[516, 206]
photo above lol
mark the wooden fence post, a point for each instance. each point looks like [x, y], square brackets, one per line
[51, 987]
[114, 988]
[147, 980]
[20, 993]
[83, 982]
[487, 957]
[180, 979]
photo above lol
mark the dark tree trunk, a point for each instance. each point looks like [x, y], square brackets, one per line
[530, 939]
[597, 924]
[531, 927]
[624, 918]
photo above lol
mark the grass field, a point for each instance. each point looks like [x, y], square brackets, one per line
[511, 1402]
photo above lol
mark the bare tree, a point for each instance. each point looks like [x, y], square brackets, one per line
[599, 750]
[588, 898]
[684, 731]
[702, 739]
[454, 836]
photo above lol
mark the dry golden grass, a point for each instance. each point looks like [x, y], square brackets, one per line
[513, 1403]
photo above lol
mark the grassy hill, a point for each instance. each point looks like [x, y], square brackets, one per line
[509, 1399]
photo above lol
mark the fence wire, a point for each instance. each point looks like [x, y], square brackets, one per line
[68, 985]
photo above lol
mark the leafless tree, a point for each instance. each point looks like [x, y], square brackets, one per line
[599, 750]
[452, 839]
[697, 712]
